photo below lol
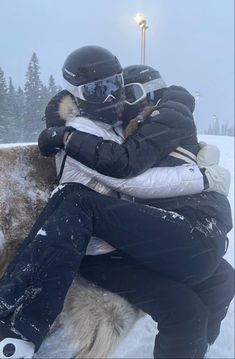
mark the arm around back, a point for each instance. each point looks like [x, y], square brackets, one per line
[145, 148]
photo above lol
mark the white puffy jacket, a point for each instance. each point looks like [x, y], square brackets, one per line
[156, 182]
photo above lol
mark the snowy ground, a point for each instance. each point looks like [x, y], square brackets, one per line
[139, 342]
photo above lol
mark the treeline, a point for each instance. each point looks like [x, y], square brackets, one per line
[21, 110]
[220, 129]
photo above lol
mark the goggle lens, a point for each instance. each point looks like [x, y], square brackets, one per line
[99, 91]
[134, 93]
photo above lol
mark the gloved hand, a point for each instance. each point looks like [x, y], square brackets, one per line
[218, 178]
[208, 155]
[51, 140]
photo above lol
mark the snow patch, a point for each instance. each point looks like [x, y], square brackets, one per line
[41, 232]
[17, 144]
[2, 240]
[58, 188]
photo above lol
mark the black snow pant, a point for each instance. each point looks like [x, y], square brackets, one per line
[36, 282]
[188, 317]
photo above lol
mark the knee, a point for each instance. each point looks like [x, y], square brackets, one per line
[193, 314]
[76, 201]
[200, 269]
[189, 318]
[183, 331]
[227, 278]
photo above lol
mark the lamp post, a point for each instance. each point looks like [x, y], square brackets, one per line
[142, 23]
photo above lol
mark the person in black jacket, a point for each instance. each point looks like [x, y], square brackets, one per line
[155, 294]
[184, 249]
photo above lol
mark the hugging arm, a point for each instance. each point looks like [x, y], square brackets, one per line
[145, 148]
[157, 182]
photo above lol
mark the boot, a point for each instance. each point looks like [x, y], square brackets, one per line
[12, 345]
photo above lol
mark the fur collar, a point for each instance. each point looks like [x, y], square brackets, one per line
[68, 108]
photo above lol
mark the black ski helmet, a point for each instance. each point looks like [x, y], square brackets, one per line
[153, 85]
[87, 65]
[142, 74]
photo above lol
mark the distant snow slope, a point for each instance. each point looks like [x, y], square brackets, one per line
[140, 340]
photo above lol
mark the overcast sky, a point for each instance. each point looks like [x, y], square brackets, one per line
[191, 42]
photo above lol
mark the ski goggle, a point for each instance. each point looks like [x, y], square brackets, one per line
[99, 91]
[136, 92]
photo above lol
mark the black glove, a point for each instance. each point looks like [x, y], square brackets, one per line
[51, 140]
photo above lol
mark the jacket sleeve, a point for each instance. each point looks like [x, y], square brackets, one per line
[151, 142]
[158, 182]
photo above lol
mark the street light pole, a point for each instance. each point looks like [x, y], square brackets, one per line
[142, 23]
[143, 28]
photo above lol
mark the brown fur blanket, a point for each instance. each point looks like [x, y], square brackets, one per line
[25, 183]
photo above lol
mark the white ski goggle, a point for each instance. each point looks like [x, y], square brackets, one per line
[136, 92]
[98, 91]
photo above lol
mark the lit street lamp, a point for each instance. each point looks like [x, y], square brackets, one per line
[142, 23]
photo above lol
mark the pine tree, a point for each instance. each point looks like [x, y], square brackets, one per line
[223, 129]
[33, 100]
[11, 109]
[52, 88]
[19, 111]
[3, 108]
[208, 131]
[216, 126]
[45, 96]
[19, 103]
[230, 130]
[11, 90]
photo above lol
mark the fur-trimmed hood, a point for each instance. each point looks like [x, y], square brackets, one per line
[60, 109]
